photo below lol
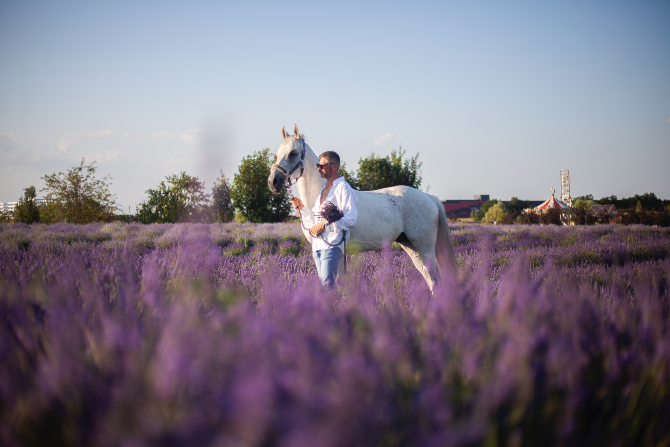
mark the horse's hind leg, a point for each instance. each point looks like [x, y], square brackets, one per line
[429, 275]
[423, 243]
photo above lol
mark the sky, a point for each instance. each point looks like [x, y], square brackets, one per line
[495, 97]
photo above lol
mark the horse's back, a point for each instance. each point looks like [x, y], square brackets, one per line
[401, 199]
[384, 214]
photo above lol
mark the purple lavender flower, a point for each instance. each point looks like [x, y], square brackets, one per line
[330, 212]
[218, 334]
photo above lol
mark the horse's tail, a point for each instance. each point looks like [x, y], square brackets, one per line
[444, 249]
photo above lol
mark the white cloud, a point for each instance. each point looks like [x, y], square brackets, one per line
[383, 138]
[388, 137]
[111, 155]
[192, 136]
[74, 138]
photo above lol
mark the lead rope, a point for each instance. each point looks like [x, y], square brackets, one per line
[344, 234]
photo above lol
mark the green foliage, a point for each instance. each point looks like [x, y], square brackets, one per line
[26, 211]
[52, 212]
[239, 217]
[250, 193]
[382, 172]
[349, 177]
[479, 215]
[580, 208]
[77, 196]
[552, 216]
[496, 213]
[648, 201]
[222, 209]
[181, 199]
[583, 203]
[528, 218]
[518, 205]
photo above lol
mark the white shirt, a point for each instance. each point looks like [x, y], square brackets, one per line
[343, 197]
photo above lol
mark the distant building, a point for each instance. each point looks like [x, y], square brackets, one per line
[8, 207]
[461, 208]
[604, 214]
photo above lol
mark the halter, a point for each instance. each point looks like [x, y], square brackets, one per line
[300, 164]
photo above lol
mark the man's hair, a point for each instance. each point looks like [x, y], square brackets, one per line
[332, 157]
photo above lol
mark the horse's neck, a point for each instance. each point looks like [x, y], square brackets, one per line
[311, 183]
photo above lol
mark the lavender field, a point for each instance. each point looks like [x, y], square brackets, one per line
[189, 334]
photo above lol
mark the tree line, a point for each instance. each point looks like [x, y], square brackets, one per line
[78, 196]
[645, 209]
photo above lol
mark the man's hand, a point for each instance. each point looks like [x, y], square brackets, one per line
[318, 228]
[297, 203]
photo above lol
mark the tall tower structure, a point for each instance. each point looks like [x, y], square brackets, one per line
[565, 187]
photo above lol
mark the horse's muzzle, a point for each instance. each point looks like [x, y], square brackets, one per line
[276, 181]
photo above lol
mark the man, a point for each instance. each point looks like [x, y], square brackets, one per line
[338, 192]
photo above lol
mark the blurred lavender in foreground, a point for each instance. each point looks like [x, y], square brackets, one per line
[221, 335]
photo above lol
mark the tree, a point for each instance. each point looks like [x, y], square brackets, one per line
[648, 200]
[181, 199]
[528, 218]
[349, 177]
[551, 216]
[583, 203]
[496, 213]
[579, 209]
[382, 172]
[222, 210]
[479, 215]
[611, 200]
[250, 193]
[26, 211]
[518, 205]
[77, 196]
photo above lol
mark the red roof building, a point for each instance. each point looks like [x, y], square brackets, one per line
[551, 202]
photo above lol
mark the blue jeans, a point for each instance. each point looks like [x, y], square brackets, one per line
[326, 265]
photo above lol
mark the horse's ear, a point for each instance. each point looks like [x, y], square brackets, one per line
[283, 132]
[295, 131]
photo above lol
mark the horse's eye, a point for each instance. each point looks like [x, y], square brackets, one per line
[294, 153]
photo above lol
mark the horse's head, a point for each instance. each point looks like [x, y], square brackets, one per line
[289, 162]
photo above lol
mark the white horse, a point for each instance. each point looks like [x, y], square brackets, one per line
[412, 218]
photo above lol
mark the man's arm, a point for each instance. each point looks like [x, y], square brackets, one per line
[308, 218]
[349, 207]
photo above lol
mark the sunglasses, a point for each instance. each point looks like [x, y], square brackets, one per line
[318, 166]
